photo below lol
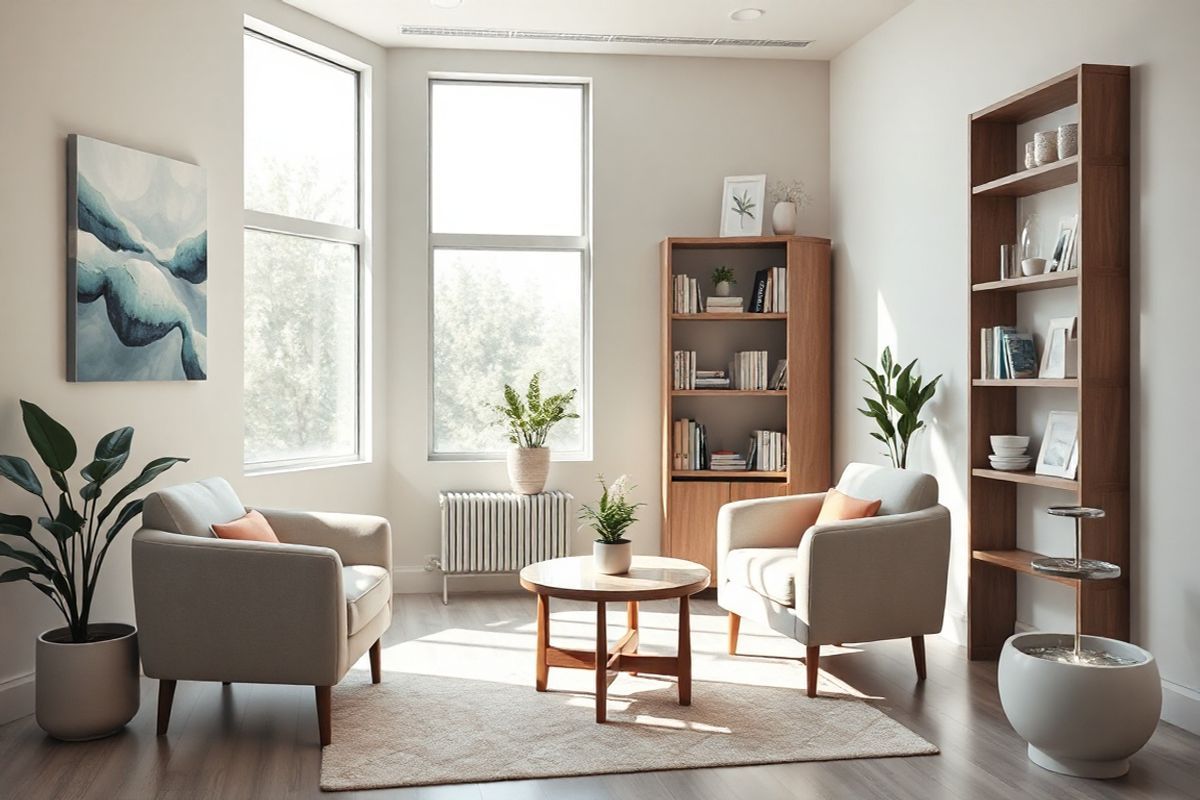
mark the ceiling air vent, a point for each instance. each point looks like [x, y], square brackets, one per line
[598, 38]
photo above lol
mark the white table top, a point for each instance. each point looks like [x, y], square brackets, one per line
[649, 578]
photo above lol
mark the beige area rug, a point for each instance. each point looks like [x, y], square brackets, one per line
[459, 706]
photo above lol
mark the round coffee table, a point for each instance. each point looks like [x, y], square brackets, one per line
[650, 578]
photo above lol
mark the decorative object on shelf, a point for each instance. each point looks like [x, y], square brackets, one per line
[1008, 261]
[137, 247]
[1059, 454]
[1064, 244]
[87, 673]
[789, 199]
[1008, 453]
[897, 411]
[1060, 353]
[612, 553]
[529, 422]
[1045, 147]
[1030, 158]
[1068, 140]
[741, 205]
[1020, 355]
[723, 281]
[1033, 266]
[1030, 241]
[1084, 703]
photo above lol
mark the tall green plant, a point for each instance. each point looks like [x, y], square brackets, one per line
[68, 573]
[529, 421]
[897, 411]
[614, 513]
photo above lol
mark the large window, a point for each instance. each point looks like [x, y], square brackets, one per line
[304, 241]
[510, 257]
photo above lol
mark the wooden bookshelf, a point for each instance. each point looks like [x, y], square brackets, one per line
[1101, 286]
[691, 498]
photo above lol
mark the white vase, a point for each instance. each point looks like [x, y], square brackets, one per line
[528, 468]
[722, 289]
[783, 218]
[1079, 719]
[87, 690]
[612, 559]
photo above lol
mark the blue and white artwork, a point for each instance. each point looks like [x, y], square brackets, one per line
[137, 246]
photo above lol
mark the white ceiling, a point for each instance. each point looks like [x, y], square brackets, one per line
[832, 25]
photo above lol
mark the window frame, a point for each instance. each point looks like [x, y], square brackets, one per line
[358, 237]
[520, 242]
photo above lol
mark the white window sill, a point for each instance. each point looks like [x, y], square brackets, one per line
[500, 458]
[278, 467]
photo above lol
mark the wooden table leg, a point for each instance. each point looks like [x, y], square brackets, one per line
[543, 641]
[601, 663]
[632, 621]
[685, 652]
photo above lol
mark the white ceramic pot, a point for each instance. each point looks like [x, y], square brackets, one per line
[612, 559]
[89, 690]
[1045, 147]
[1080, 719]
[1068, 140]
[722, 289]
[528, 468]
[783, 218]
[1033, 266]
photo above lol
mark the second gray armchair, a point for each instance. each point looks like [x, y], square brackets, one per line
[859, 580]
[298, 612]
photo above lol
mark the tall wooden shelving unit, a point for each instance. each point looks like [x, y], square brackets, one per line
[1101, 282]
[691, 499]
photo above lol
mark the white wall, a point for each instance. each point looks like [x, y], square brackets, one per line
[167, 78]
[670, 127]
[900, 99]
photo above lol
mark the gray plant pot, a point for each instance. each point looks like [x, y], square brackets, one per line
[89, 690]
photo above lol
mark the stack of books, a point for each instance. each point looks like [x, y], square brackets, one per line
[770, 291]
[724, 305]
[726, 460]
[684, 375]
[1005, 352]
[687, 295]
[768, 451]
[749, 369]
[689, 445]
[710, 379]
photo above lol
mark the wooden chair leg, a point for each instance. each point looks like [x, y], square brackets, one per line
[812, 661]
[918, 645]
[376, 656]
[735, 625]
[166, 694]
[324, 712]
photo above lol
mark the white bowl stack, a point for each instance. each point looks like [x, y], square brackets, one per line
[1009, 453]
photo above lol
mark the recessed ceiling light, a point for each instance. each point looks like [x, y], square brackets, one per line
[446, 3]
[746, 14]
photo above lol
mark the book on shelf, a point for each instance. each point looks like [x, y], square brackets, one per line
[724, 305]
[767, 451]
[770, 291]
[726, 461]
[1007, 353]
[1020, 355]
[779, 376]
[749, 370]
[684, 369]
[689, 448]
[686, 298]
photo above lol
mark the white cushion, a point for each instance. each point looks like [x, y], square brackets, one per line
[901, 490]
[770, 571]
[367, 589]
[192, 508]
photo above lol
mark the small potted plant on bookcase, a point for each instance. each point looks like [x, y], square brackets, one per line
[723, 281]
[87, 672]
[612, 553]
[529, 422]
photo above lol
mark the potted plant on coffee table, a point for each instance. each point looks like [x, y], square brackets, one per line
[612, 553]
[529, 422]
[87, 672]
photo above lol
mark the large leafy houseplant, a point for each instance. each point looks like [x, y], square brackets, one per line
[613, 515]
[530, 420]
[80, 534]
[900, 394]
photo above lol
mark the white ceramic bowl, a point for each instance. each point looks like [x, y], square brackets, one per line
[1009, 441]
[1009, 452]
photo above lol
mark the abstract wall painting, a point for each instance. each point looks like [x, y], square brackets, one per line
[137, 251]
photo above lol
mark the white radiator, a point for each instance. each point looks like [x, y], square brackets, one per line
[496, 532]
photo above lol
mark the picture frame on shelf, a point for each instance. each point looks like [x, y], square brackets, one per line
[1064, 244]
[1059, 453]
[1059, 350]
[742, 201]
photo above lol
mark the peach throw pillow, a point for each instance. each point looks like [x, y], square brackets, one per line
[838, 507]
[251, 528]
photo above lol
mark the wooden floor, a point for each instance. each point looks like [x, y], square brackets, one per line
[253, 741]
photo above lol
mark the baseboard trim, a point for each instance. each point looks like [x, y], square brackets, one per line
[16, 698]
[1181, 707]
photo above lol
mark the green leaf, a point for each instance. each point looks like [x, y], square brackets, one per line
[131, 510]
[52, 441]
[879, 436]
[905, 379]
[18, 574]
[148, 473]
[31, 559]
[115, 444]
[17, 470]
[885, 360]
[102, 469]
[60, 480]
[898, 404]
[61, 531]
[67, 515]
[14, 525]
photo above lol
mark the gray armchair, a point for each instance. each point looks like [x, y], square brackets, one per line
[855, 581]
[299, 612]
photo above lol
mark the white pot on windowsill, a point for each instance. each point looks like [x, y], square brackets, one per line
[612, 558]
[528, 468]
